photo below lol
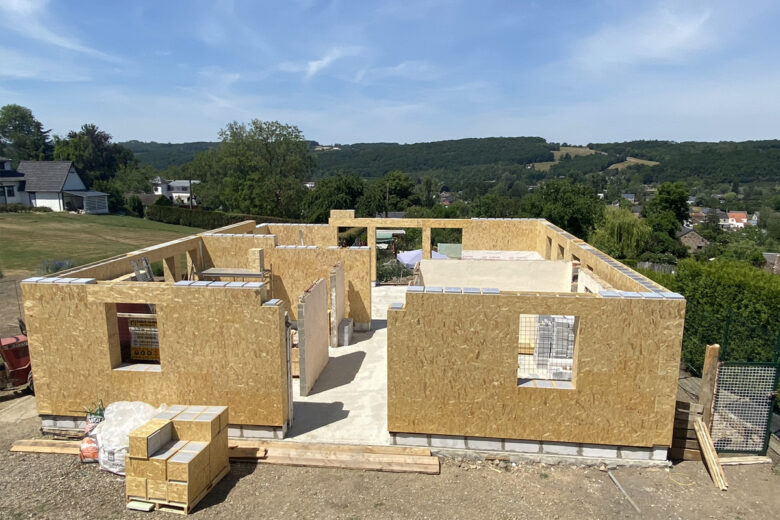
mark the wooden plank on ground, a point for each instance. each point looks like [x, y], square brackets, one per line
[736, 461]
[46, 446]
[312, 446]
[710, 456]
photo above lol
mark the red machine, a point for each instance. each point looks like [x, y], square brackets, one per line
[16, 358]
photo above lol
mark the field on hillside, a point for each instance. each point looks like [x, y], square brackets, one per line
[30, 238]
[571, 150]
[630, 161]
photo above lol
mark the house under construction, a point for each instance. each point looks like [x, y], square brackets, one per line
[532, 342]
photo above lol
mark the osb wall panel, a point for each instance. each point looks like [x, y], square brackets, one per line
[217, 346]
[321, 235]
[337, 301]
[233, 250]
[117, 266]
[246, 226]
[312, 334]
[294, 270]
[452, 369]
[504, 235]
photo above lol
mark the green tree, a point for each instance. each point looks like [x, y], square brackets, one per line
[340, 192]
[22, 137]
[131, 178]
[93, 153]
[258, 168]
[670, 197]
[116, 201]
[620, 233]
[573, 207]
[134, 204]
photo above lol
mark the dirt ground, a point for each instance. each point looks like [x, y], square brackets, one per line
[58, 486]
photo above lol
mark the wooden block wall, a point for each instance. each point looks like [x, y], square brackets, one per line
[295, 269]
[502, 235]
[452, 369]
[218, 346]
[337, 301]
[117, 266]
[321, 235]
[312, 334]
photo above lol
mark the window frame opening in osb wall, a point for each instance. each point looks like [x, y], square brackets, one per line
[135, 345]
[546, 349]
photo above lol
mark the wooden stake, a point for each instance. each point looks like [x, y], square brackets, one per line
[710, 456]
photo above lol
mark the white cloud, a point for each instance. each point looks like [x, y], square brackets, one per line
[17, 65]
[662, 35]
[314, 67]
[28, 18]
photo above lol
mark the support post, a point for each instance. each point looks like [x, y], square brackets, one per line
[171, 269]
[193, 263]
[709, 377]
[426, 242]
[371, 242]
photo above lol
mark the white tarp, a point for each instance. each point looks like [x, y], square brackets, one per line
[410, 258]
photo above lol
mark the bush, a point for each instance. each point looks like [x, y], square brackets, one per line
[712, 288]
[201, 218]
[21, 208]
[53, 266]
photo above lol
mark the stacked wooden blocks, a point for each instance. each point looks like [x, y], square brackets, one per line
[178, 456]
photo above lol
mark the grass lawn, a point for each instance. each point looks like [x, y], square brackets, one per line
[557, 154]
[27, 239]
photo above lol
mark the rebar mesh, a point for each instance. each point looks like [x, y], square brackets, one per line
[742, 407]
[546, 347]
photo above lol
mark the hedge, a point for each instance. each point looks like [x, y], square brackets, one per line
[201, 218]
[21, 208]
[711, 289]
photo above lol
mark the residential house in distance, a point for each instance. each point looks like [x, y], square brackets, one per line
[692, 239]
[50, 184]
[177, 191]
[630, 197]
[737, 219]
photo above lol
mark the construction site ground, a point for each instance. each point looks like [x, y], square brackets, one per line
[58, 486]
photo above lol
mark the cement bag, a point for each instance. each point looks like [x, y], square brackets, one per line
[112, 433]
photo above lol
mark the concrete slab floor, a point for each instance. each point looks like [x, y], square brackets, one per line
[349, 401]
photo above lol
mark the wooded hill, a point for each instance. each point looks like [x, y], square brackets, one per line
[490, 159]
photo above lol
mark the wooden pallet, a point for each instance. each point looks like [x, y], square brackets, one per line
[180, 507]
[399, 459]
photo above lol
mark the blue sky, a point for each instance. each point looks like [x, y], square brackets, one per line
[424, 70]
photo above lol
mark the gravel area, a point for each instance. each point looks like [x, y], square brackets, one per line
[58, 486]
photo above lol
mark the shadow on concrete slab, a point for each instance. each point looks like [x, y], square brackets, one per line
[310, 416]
[339, 371]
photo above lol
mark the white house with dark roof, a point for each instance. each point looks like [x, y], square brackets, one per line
[178, 191]
[51, 184]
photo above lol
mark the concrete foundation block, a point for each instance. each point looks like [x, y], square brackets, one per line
[660, 453]
[484, 443]
[47, 421]
[630, 452]
[561, 448]
[599, 450]
[257, 432]
[362, 327]
[65, 423]
[522, 446]
[448, 441]
[411, 439]
[234, 431]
